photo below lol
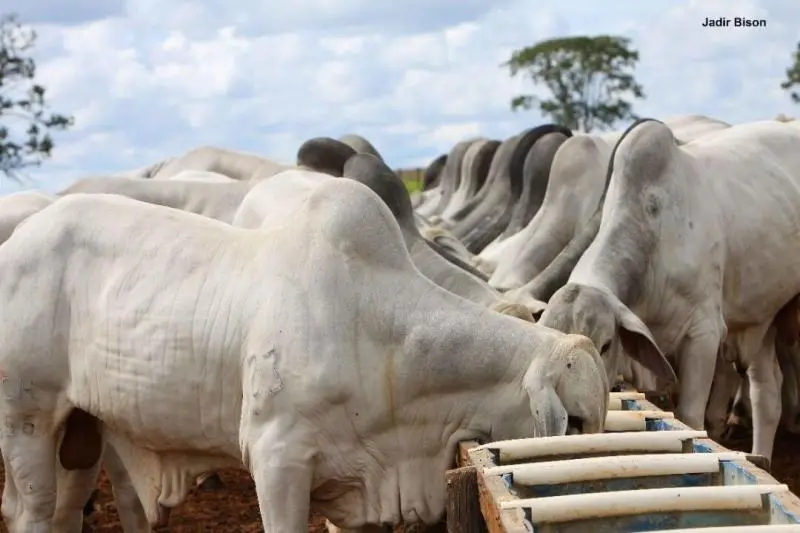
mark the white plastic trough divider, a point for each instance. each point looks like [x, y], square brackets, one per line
[646, 441]
[615, 399]
[595, 468]
[769, 528]
[633, 420]
[555, 509]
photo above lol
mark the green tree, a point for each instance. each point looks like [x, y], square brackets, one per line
[793, 77]
[590, 79]
[25, 121]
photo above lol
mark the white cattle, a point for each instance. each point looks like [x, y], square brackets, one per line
[499, 250]
[431, 185]
[201, 175]
[16, 207]
[535, 177]
[329, 156]
[360, 144]
[454, 247]
[492, 209]
[474, 169]
[442, 266]
[676, 248]
[735, 383]
[450, 178]
[260, 348]
[688, 128]
[272, 201]
[576, 182]
[577, 179]
[211, 198]
[324, 154]
[231, 163]
[143, 172]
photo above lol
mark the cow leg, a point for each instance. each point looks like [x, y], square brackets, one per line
[697, 364]
[740, 420]
[29, 457]
[726, 381]
[11, 504]
[75, 488]
[765, 395]
[281, 466]
[129, 507]
[76, 469]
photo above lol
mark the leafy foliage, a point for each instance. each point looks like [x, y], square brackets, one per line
[25, 122]
[793, 77]
[412, 178]
[589, 79]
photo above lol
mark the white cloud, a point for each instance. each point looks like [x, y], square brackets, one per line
[445, 136]
[149, 79]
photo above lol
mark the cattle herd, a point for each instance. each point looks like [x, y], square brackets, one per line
[337, 337]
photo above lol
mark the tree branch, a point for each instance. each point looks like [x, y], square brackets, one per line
[590, 79]
[22, 100]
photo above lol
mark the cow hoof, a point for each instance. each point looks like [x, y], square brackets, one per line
[212, 483]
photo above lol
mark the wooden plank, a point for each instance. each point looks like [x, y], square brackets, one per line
[492, 491]
[462, 453]
[463, 505]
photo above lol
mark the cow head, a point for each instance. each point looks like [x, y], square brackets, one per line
[568, 389]
[599, 315]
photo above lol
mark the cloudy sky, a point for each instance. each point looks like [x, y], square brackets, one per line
[146, 79]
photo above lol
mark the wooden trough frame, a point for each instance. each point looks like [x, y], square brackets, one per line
[575, 483]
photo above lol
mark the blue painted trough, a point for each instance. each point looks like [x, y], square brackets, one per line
[647, 472]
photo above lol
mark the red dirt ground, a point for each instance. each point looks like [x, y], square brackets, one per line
[235, 509]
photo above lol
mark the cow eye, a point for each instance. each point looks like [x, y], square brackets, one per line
[605, 348]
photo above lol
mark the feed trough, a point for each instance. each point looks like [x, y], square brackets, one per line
[647, 472]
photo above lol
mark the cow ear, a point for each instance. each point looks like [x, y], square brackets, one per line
[537, 308]
[638, 343]
[511, 309]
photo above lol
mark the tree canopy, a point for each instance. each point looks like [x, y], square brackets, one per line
[25, 121]
[590, 80]
[793, 77]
